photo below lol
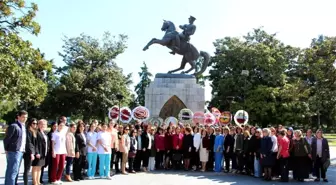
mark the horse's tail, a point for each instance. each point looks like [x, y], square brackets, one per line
[205, 63]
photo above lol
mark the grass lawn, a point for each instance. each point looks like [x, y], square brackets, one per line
[330, 136]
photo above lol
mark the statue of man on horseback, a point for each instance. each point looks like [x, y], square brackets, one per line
[188, 30]
[179, 43]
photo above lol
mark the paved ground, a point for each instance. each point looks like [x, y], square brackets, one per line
[176, 178]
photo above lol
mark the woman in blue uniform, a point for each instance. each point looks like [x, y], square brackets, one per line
[218, 150]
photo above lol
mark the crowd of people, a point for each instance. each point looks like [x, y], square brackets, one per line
[100, 150]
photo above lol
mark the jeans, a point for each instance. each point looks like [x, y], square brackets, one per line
[151, 163]
[69, 161]
[104, 165]
[13, 166]
[92, 162]
[257, 168]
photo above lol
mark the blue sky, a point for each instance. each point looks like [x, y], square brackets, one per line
[295, 21]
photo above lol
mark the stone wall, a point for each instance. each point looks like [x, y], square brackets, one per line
[166, 86]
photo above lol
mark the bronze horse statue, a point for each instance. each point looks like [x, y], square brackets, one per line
[187, 50]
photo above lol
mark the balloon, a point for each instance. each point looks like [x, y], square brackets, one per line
[209, 119]
[216, 113]
[172, 120]
[241, 117]
[140, 113]
[198, 117]
[225, 117]
[186, 116]
[114, 113]
[126, 115]
[157, 120]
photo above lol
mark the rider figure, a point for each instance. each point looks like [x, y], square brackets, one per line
[188, 30]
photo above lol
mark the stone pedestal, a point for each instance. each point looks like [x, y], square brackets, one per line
[169, 93]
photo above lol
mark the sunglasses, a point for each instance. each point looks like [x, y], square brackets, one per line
[34, 123]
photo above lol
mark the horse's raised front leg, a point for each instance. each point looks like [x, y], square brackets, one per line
[149, 44]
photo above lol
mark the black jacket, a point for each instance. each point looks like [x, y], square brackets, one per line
[41, 146]
[13, 137]
[31, 147]
[228, 142]
[80, 144]
[145, 140]
[325, 149]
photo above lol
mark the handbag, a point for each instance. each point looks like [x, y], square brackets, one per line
[131, 154]
[326, 164]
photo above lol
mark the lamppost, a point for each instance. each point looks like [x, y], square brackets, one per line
[120, 97]
[245, 73]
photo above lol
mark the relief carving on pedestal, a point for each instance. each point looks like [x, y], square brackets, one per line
[172, 107]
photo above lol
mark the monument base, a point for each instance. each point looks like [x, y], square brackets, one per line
[169, 93]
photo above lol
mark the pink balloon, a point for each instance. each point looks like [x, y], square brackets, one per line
[209, 118]
[198, 117]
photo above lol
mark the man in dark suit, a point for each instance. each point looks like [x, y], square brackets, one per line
[14, 144]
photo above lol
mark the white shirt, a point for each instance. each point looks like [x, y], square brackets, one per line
[46, 142]
[91, 138]
[106, 139]
[319, 147]
[84, 138]
[197, 140]
[275, 143]
[24, 138]
[149, 142]
[59, 138]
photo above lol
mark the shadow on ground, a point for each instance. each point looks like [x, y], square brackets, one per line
[234, 179]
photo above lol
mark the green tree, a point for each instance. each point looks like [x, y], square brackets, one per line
[90, 79]
[16, 15]
[140, 88]
[315, 68]
[265, 92]
[23, 72]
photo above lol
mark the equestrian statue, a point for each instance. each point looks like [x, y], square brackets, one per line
[179, 43]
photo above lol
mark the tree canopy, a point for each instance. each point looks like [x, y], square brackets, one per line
[16, 15]
[23, 69]
[90, 79]
[277, 89]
